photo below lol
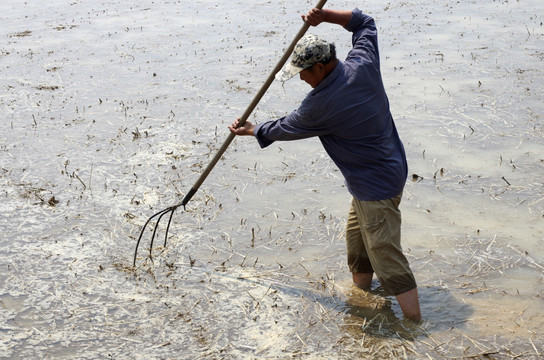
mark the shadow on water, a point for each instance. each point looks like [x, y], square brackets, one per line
[378, 315]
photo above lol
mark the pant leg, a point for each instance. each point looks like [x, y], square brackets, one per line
[358, 260]
[380, 224]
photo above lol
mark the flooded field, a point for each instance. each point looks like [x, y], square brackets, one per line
[110, 110]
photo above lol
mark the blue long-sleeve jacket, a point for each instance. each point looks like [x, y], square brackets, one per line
[349, 112]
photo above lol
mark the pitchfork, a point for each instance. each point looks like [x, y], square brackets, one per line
[170, 210]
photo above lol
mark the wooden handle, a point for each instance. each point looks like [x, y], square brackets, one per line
[249, 109]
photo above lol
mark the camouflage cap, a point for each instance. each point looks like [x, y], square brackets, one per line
[309, 50]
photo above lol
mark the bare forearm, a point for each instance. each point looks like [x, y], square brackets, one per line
[317, 16]
[339, 17]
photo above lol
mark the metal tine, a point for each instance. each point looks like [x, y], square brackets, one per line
[166, 211]
[168, 226]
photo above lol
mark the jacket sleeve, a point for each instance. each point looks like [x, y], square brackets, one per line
[294, 126]
[364, 39]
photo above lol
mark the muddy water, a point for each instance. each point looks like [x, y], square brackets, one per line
[110, 112]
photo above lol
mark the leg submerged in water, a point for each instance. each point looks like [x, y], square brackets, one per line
[409, 303]
[408, 300]
[362, 280]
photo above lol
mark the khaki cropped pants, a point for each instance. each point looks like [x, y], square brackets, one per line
[373, 243]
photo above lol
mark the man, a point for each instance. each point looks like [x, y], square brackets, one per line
[348, 109]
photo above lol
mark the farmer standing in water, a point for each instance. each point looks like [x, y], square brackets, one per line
[349, 111]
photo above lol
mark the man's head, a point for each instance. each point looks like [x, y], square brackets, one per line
[309, 51]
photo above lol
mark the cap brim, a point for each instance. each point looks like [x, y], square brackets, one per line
[287, 72]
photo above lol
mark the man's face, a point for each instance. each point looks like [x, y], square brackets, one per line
[313, 75]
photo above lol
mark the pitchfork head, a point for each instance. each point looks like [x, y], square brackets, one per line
[160, 214]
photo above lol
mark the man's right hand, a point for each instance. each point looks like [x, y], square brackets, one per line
[314, 17]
